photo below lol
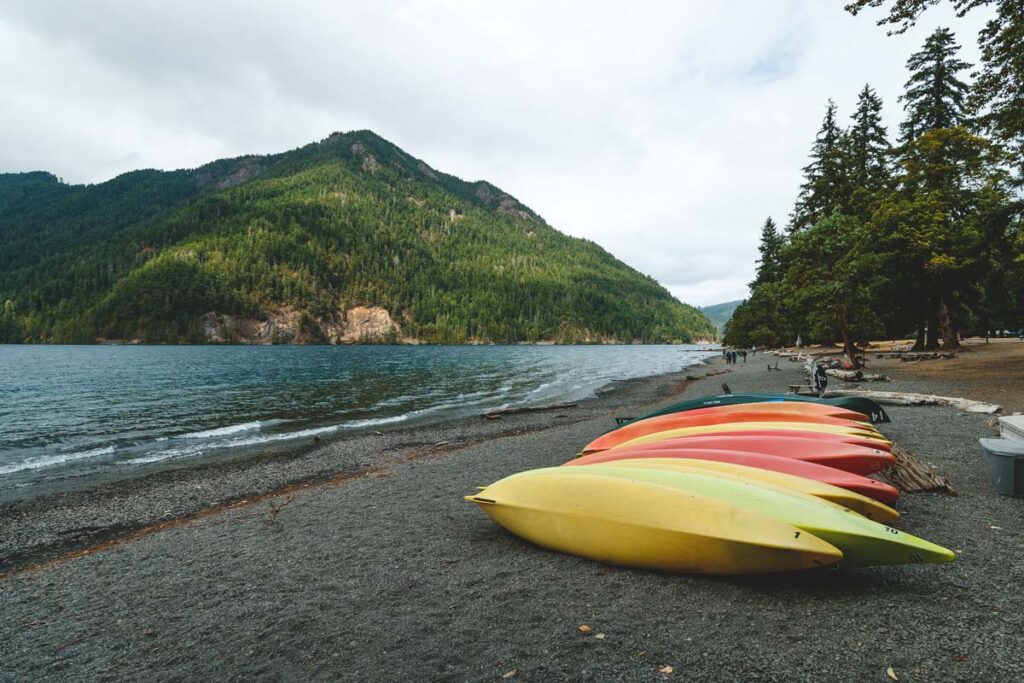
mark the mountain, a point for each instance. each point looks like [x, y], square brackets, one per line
[349, 239]
[719, 314]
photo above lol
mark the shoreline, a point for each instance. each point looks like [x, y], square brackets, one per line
[392, 576]
[118, 505]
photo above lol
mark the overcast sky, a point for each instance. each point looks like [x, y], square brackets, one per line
[664, 131]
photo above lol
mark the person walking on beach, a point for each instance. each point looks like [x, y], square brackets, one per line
[820, 380]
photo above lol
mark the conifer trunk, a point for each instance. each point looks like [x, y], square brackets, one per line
[950, 335]
[850, 349]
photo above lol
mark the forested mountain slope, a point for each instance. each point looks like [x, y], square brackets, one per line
[719, 314]
[345, 240]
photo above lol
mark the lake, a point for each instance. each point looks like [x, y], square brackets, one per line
[69, 411]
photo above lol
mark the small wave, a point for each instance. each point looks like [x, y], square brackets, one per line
[51, 460]
[222, 431]
[357, 424]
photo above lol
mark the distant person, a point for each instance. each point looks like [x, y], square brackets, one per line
[820, 379]
[753, 351]
[743, 355]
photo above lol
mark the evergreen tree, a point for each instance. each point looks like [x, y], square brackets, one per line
[825, 188]
[951, 186]
[934, 96]
[833, 279]
[769, 267]
[999, 90]
[869, 153]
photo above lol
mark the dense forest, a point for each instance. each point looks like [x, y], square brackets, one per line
[302, 239]
[917, 235]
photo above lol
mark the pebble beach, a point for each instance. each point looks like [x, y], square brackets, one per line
[358, 559]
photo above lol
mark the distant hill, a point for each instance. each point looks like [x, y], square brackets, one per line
[349, 239]
[719, 314]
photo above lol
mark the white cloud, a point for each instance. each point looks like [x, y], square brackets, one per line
[664, 131]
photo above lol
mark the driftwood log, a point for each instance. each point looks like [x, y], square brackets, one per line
[910, 475]
[897, 398]
[858, 376]
[499, 412]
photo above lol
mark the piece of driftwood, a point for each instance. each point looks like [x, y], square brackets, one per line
[858, 376]
[497, 413]
[926, 356]
[910, 475]
[898, 398]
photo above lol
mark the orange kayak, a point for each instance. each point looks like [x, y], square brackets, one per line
[883, 493]
[840, 455]
[663, 423]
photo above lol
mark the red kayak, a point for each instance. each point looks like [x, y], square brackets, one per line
[842, 456]
[883, 493]
[635, 430]
[822, 410]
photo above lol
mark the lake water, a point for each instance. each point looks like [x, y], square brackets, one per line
[68, 411]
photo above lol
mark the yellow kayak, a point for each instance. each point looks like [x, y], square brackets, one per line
[868, 507]
[754, 426]
[862, 542]
[585, 512]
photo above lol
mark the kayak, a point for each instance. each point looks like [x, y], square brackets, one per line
[847, 480]
[863, 542]
[857, 404]
[643, 524]
[860, 504]
[663, 423]
[837, 454]
[787, 432]
[794, 407]
[798, 427]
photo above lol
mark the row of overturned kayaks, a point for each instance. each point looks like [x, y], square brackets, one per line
[733, 484]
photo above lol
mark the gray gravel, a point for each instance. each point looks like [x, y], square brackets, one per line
[394, 577]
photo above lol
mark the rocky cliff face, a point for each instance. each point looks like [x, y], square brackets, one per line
[357, 325]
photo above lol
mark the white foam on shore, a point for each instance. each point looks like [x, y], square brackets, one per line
[51, 460]
[222, 431]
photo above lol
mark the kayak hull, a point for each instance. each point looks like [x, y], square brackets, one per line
[865, 486]
[741, 427]
[643, 524]
[831, 453]
[792, 407]
[868, 507]
[862, 541]
[663, 423]
[857, 404]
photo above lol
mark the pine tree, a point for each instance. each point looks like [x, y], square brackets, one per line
[770, 268]
[934, 96]
[824, 189]
[999, 89]
[869, 154]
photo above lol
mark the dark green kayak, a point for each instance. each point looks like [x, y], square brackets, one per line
[856, 403]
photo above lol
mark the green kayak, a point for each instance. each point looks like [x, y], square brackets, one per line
[855, 403]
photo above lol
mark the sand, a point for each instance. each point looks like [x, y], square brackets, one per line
[378, 570]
